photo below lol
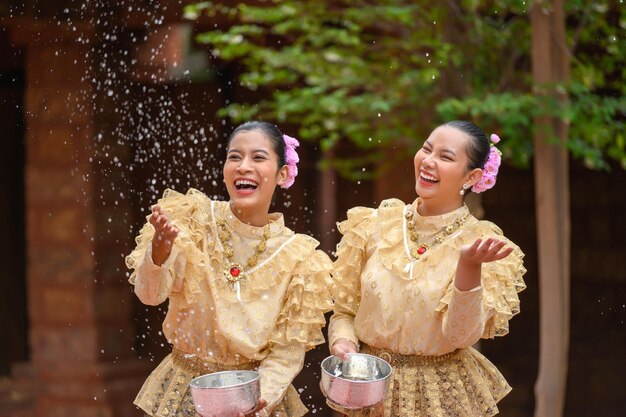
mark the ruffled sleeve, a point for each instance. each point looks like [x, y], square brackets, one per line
[299, 326]
[307, 300]
[501, 281]
[190, 214]
[392, 252]
[346, 283]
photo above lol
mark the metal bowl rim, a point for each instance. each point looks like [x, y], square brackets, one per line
[356, 381]
[256, 378]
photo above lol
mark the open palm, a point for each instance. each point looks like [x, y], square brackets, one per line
[482, 252]
[164, 235]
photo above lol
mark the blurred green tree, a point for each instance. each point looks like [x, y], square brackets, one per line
[548, 75]
[370, 72]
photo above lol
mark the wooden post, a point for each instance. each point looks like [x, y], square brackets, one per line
[550, 65]
[327, 196]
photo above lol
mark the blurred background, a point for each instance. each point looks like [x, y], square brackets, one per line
[103, 105]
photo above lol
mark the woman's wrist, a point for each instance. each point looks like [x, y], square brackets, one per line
[160, 254]
[343, 340]
[468, 275]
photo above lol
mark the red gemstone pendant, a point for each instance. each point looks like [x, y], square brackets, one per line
[233, 273]
[421, 250]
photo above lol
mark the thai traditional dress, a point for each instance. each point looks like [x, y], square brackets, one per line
[267, 324]
[399, 302]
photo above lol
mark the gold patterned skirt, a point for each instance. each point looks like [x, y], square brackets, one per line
[166, 392]
[459, 384]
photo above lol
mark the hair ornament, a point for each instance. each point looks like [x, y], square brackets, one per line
[490, 170]
[291, 159]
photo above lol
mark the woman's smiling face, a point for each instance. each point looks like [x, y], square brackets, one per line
[441, 169]
[251, 171]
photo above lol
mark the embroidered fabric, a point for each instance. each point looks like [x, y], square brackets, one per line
[278, 317]
[460, 384]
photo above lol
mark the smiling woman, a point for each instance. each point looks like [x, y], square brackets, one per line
[244, 291]
[446, 165]
[418, 284]
[253, 169]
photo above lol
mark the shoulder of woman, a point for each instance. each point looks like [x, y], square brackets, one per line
[302, 254]
[316, 261]
[305, 244]
[359, 215]
[194, 205]
[192, 197]
[391, 203]
[391, 210]
[485, 227]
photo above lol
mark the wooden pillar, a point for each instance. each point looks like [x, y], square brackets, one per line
[550, 64]
[327, 196]
[80, 310]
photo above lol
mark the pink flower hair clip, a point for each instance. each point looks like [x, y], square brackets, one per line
[291, 160]
[490, 170]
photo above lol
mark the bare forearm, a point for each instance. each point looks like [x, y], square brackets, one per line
[467, 275]
[164, 236]
[160, 252]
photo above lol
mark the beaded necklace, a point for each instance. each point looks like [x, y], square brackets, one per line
[438, 239]
[234, 272]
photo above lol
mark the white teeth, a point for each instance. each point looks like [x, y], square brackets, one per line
[245, 182]
[428, 177]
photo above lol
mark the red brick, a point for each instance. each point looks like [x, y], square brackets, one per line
[58, 225]
[59, 264]
[53, 186]
[62, 305]
[59, 146]
[57, 346]
[58, 105]
[93, 390]
[64, 64]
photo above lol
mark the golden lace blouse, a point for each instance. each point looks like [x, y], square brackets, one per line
[387, 299]
[283, 300]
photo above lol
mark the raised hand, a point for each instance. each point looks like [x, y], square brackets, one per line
[164, 235]
[473, 256]
[488, 251]
[342, 347]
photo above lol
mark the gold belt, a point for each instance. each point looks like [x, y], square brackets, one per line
[198, 366]
[396, 359]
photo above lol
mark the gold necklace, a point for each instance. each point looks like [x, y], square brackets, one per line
[440, 237]
[234, 272]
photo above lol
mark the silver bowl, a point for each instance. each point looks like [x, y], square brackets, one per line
[361, 381]
[225, 394]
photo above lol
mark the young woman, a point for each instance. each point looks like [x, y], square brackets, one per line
[244, 291]
[417, 284]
